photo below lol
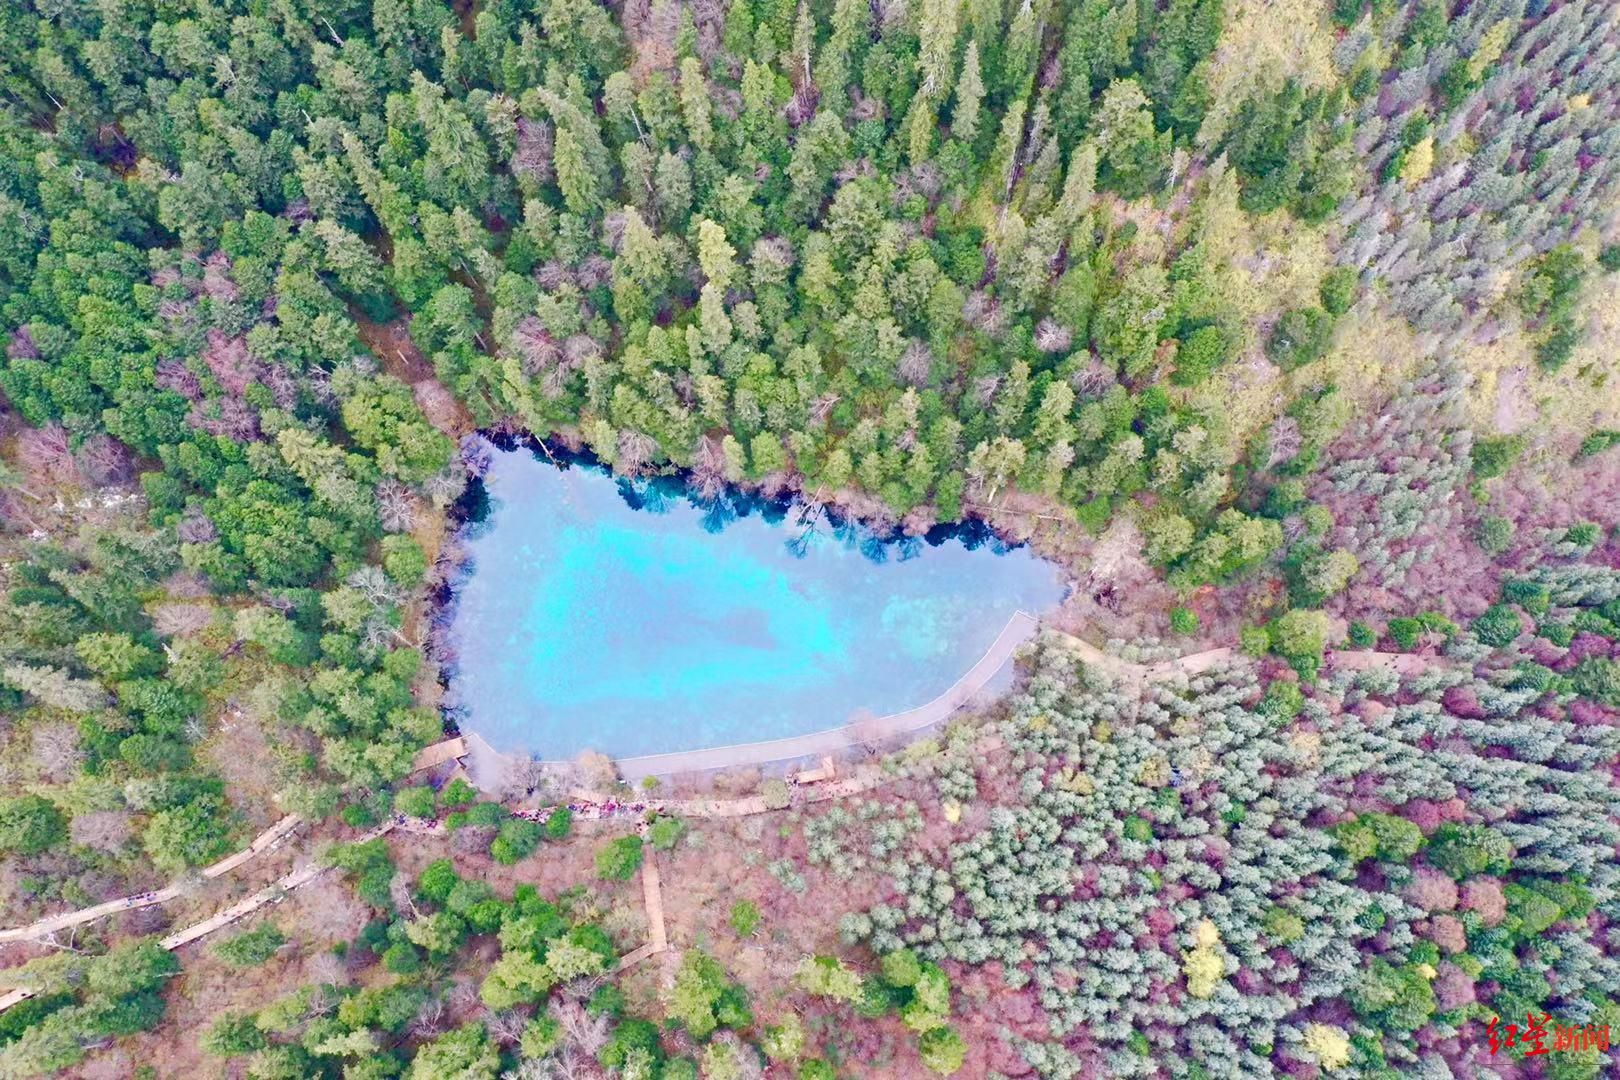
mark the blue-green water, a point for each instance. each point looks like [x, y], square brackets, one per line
[633, 620]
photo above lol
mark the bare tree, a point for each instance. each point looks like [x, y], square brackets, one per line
[984, 311]
[230, 361]
[566, 1064]
[709, 469]
[531, 1069]
[145, 920]
[104, 461]
[583, 1032]
[636, 451]
[437, 403]
[104, 830]
[532, 156]
[231, 418]
[1286, 440]
[217, 281]
[477, 454]
[916, 363]
[399, 891]
[744, 1057]
[196, 528]
[1093, 380]
[506, 1027]
[47, 455]
[172, 374]
[598, 769]
[284, 388]
[430, 1019]
[578, 350]
[332, 908]
[22, 346]
[464, 998]
[510, 778]
[1052, 336]
[446, 486]
[593, 272]
[326, 969]
[173, 310]
[56, 750]
[551, 276]
[867, 730]
[396, 507]
[323, 1001]
[374, 584]
[472, 839]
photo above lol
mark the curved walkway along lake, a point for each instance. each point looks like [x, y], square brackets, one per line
[634, 620]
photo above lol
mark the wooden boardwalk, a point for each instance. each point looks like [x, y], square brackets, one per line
[48, 926]
[652, 899]
[272, 837]
[1366, 659]
[273, 893]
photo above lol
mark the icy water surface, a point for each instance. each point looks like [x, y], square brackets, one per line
[633, 620]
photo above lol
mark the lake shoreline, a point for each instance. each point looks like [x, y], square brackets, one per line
[844, 507]
[772, 503]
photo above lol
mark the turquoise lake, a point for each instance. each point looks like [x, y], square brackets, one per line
[631, 619]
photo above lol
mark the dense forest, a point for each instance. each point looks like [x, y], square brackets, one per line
[1290, 326]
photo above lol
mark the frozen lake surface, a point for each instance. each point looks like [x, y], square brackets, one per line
[633, 619]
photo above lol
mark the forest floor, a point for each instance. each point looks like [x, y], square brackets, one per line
[825, 786]
[684, 899]
[604, 809]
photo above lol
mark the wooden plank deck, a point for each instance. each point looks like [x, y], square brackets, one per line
[439, 753]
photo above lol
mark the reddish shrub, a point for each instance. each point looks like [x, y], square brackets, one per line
[230, 361]
[1447, 932]
[1586, 711]
[1452, 987]
[1484, 896]
[1431, 890]
[1462, 701]
[1422, 813]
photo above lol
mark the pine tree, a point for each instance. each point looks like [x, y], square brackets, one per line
[936, 31]
[969, 96]
[695, 104]
[1132, 155]
[574, 177]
